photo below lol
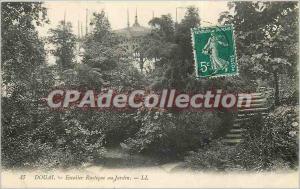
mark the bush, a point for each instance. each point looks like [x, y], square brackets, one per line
[215, 156]
[32, 138]
[172, 134]
[119, 126]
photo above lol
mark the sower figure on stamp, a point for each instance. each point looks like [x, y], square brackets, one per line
[211, 49]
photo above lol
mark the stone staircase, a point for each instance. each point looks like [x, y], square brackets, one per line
[259, 105]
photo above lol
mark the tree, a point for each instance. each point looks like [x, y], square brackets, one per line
[163, 27]
[23, 54]
[22, 50]
[172, 50]
[25, 79]
[183, 62]
[99, 46]
[65, 42]
[266, 36]
[183, 33]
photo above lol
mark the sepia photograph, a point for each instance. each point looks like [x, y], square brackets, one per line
[149, 94]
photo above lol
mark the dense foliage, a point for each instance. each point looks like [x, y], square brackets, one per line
[172, 134]
[64, 41]
[266, 37]
[33, 135]
[269, 143]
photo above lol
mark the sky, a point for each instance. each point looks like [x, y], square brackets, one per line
[75, 11]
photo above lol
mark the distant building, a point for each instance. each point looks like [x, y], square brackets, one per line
[132, 38]
[136, 30]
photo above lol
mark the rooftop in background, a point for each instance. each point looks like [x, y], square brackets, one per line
[135, 30]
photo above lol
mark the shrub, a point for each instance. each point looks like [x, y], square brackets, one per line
[215, 156]
[45, 138]
[119, 126]
[172, 134]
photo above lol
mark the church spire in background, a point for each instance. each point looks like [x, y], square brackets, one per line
[136, 23]
[86, 21]
[128, 24]
[65, 13]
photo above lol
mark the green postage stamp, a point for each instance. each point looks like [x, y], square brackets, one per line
[214, 51]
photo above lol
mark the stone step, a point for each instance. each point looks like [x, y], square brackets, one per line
[243, 98]
[257, 94]
[254, 102]
[232, 141]
[236, 126]
[258, 105]
[261, 100]
[252, 94]
[246, 114]
[233, 135]
[242, 119]
[253, 110]
[252, 106]
[235, 130]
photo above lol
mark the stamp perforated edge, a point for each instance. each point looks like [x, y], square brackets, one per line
[194, 53]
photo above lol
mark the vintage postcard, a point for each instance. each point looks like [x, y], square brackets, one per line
[149, 94]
